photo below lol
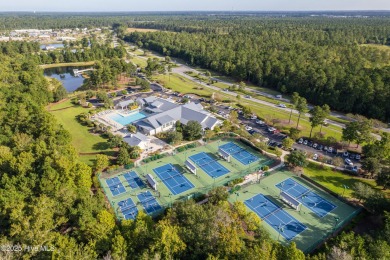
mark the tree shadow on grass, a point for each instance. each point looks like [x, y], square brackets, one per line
[101, 146]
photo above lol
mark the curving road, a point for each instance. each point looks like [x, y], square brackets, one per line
[181, 69]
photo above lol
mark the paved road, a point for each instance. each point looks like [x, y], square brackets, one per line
[181, 68]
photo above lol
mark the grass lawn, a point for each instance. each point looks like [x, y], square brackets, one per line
[185, 86]
[139, 61]
[82, 139]
[55, 65]
[182, 84]
[335, 180]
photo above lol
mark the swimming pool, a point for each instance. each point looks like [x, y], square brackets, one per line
[125, 120]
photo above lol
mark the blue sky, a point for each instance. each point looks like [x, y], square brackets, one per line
[188, 5]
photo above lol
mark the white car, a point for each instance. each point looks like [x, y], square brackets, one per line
[271, 129]
[253, 117]
[300, 141]
[248, 128]
[315, 157]
[259, 122]
[282, 105]
[348, 162]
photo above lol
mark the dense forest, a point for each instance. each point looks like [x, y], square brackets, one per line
[49, 198]
[328, 61]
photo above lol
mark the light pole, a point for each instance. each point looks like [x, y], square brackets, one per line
[345, 187]
[280, 229]
[170, 199]
[336, 219]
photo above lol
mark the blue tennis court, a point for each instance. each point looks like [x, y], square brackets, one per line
[133, 180]
[128, 208]
[175, 181]
[116, 186]
[275, 216]
[210, 166]
[239, 153]
[149, 202]
[320, 206]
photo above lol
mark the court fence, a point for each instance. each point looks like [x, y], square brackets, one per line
[333, 232]
[115, 170]
[322, 187]
[105, 191]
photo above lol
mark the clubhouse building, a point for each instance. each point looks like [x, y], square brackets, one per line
[164, 113]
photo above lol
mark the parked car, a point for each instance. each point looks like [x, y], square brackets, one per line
[345, 154]
[315, 145]
[310, 143]
[272, 143]
[358, 157]
[305, 142]
[348, 162]
[248, 128]
[315, 157]
[325, 149]
[259, 122]
[352, 156]
[282, 105]
[271, 129]
[300, 141]
[253, 117]
[247, 96]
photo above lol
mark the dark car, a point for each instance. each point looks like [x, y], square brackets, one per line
[272, 143]
[320, 147]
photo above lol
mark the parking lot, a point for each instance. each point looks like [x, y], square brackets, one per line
[313, 150]
[271, 135]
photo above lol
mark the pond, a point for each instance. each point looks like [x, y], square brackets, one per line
[66, 76]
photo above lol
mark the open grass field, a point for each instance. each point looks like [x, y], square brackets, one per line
[182, 85]
[55, 65]
[335, 180]
[82, 139]
[139, 61]
[202, 182]
[132, 29]
[317, 228]
[271, 114]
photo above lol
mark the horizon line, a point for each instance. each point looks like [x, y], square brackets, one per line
[178, 11]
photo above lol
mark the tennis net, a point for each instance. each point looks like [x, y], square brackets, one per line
[114, 182]
[128, 208]
[172, 176]
[240, 149]
[304, 194]
[206, 163]
[272, 213]
[148, 200]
